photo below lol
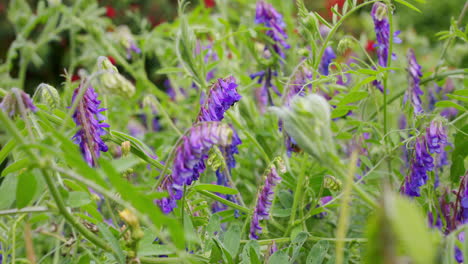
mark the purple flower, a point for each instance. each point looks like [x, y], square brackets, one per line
[438, 222]
[132, 48]
[265, 197]
[190, 155]
[382, 32]
[421, 163]
[268, 16]
[458, 252]
[167, 204]
[436, 137]
[89, 119]
[223, 94]
[13, 102]
[414, 91]
[327, 58]
[263, 93]
[323, 201]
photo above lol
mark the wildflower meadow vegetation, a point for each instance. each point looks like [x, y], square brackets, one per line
[234, 131]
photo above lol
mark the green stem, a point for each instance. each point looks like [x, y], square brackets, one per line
[345, 206]
[224, 201]
[36, 209]
[310, 238]
[69, 217]
[298, 192]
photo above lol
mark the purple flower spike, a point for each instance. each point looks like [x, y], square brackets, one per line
[11, 102]
[89, 119]
[323, 201]
[223, 94]
[267, 15]
[436, 137]
[414, 91]
[382, 32]
[327, 58]
[190, 156]
[167, 204]
[265, 197]
[421, 163]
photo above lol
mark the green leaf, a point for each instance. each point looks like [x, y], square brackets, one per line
[147, 246]
[114, 243]
[410, 227]
[15, 166]
[78, 199]
[297, 244]
[8, 191]
[170, 70]
[353, 97]
[6, 149]
[215, 188]
[459, 155]
[443, 104]
[279, 257]
[226, 254]
[25, 189]
[317, 253]
[142, 203]
[408, 5]
[461, 92]
[232, 239]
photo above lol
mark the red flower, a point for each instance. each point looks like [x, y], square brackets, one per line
[111, 59]
[75, 77]
[210, 3]
[370, 46]
[110, 12]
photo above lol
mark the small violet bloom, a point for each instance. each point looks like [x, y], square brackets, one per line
[421, 163]
[89, 119]
[382, 32]
[15, 100]
[223, 94]
[414, 91]
[436, 137]
[265, 198]
[190, 156]
[327, 59]
[267, 15]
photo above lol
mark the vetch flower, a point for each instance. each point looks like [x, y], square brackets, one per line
[436, 137]
[414, 91]
[126, 39]
[421, 163]
[223, 94]
[323, 201]
[382, 32]
[267, 15]
[16, 102]
[88, 118]
[190, 155]
[264, 200]
[327, 58]
[263, 94]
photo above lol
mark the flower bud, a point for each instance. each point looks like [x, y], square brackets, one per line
[345, 44]
[112, 81]
[48, 95]
[17, 101]
[130, 218]
[126, 147]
